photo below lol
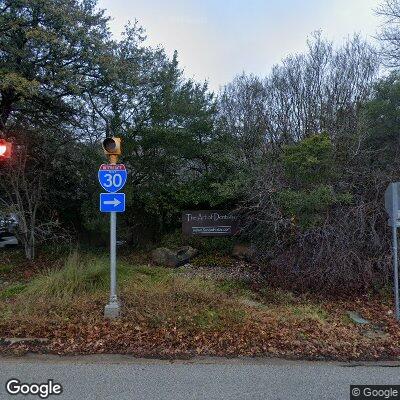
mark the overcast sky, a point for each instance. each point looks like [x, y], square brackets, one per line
[218, 39]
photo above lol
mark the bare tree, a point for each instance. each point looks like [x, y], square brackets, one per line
[242, 115]
[389, 10]
[24, 178]
[318, 92]
[21, 196]
[308, 93]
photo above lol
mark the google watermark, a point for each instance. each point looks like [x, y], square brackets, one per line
[374, 392]
[43, 390]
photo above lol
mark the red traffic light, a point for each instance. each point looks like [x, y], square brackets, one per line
[5, 149]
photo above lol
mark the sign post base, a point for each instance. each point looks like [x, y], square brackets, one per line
[112, 310]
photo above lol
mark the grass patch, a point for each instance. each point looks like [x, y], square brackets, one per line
[217, 319]
[10, 258]
[207, 318]
[165, 311]
[276, 296]
[235, 287]
[4, 269]
[80, 275]
[12, 291]
[164, 299]
[152, 274]
[309, 312]
[159, 297]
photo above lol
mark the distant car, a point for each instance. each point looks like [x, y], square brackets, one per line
[7, 240]
[8, 225]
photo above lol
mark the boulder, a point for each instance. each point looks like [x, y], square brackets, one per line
[16, 340]
[164, 256]
[243, 252]
[187, 252]
[376, 334]
[357, 318]
[173, 258]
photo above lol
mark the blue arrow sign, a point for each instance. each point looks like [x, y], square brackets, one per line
[112, 177]
[110, 202]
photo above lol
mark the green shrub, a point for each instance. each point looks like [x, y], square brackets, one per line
[214, 245]
[309, 161]
[307, 206]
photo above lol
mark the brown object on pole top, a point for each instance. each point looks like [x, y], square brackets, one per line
[112, 148]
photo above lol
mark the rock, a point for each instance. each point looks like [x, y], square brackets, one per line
[243, 252]
[357, 318]
[376, 334]
[187, 253]
[173, 258]
[15, 340]
[164, 256]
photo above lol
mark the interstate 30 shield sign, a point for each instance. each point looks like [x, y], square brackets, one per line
[112, 177]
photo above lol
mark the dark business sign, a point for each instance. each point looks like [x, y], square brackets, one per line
[209, 223]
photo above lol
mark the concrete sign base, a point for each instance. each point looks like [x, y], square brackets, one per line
[112, 310]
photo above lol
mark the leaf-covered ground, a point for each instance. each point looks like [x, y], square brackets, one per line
[181, 313]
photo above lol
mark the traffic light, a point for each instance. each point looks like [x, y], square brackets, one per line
[5, 149]
[112, 148]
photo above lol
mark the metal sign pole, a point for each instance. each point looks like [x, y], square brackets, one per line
[396, 270]
[394, 222]
[113, 256]
[112, 309]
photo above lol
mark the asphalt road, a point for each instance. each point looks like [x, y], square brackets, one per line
[121, 377]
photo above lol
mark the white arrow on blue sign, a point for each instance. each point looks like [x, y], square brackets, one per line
[110, 202]
[112, 177]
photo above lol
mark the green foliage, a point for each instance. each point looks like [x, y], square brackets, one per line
[310, 161]
[93, 221]
[89, 86]
[214, 245]
[6, 268]
[309, 166]
[309, 205]
[174, 157]
[50, 54]
[47, 55]
[380, 119]
[12, 291]
[80, 274]
[10, 81]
